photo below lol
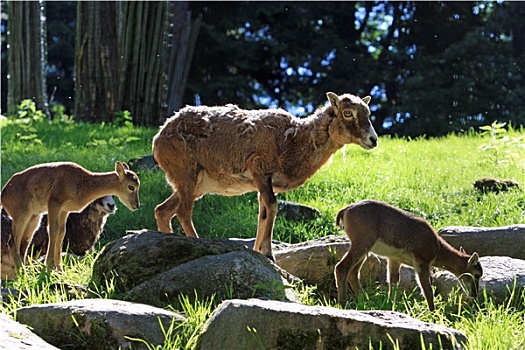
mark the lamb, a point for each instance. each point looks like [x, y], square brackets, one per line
[82, 232]
[82, 229]
[403, 238]
[230, 151]
[59, 188]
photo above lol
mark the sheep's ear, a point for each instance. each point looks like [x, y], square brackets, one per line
[474, 258]
[334, 99]
[366, 99]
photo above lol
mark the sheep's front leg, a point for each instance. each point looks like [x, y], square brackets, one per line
[393, 276]
[267, 214]
[165, 211]
[423, 275]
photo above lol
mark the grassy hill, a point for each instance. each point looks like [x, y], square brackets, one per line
[431, 177]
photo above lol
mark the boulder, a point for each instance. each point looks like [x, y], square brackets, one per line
[500, 275]
[205, 266]
[13, 335]
[98, 323]
[496, 241]
[314, 262]
[268, 324]
[240, 274]
[297, 212]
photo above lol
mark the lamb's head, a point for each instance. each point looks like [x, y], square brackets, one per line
[353, 120]
[105, 205]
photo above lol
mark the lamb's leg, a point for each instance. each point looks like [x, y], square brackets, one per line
[165, 211]
[23, 240]
[267, 214]
[423, 275]
[348, 270]
[185, 210]
[393, 275]
[56, 220]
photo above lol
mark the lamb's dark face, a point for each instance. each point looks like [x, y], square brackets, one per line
[355, 116]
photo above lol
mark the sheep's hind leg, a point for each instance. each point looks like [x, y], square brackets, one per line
[348, 270]
[165, 211]
[185, 210]
[267, 214]
[23, 235]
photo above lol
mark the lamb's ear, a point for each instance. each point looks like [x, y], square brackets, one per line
[334, 99]
[366, 99]
[120, 169]
[474, 258]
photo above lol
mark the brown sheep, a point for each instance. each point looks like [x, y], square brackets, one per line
[82, 229]
[230, 151]
[82, 232]
[8, 263]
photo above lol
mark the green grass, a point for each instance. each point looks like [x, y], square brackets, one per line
[430, 177]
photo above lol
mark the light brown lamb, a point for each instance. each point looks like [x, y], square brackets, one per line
[57, 189]
[230, 151]
[82, 232]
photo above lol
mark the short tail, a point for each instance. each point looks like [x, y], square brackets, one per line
[339, 217]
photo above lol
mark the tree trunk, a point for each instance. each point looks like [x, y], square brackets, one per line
[156, 42]
[132, 56]
[182, 45]
[96, 61]
[26, 60]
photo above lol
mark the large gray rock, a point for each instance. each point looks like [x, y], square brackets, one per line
[495, 241]
[168, 264]
[98, 323]
[265, 324]
[13, 335]
[235, 274]
[314, 262]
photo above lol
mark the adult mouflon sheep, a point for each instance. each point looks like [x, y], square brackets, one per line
[230, 151]
[82, 232]
[82, 229]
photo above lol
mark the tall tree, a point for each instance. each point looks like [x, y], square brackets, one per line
[156, 45]
[96, 61]
[26, 57]
[61, 23]
[134, 56]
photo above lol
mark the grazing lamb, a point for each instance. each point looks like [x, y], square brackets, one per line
[60, 188]
[82, 232]
[230, 151]
[403, 238]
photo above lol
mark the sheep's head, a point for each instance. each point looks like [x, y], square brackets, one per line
[354, 120]
[105, 205]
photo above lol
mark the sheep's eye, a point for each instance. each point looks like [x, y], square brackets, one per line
[347, 114]
[131, 188]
